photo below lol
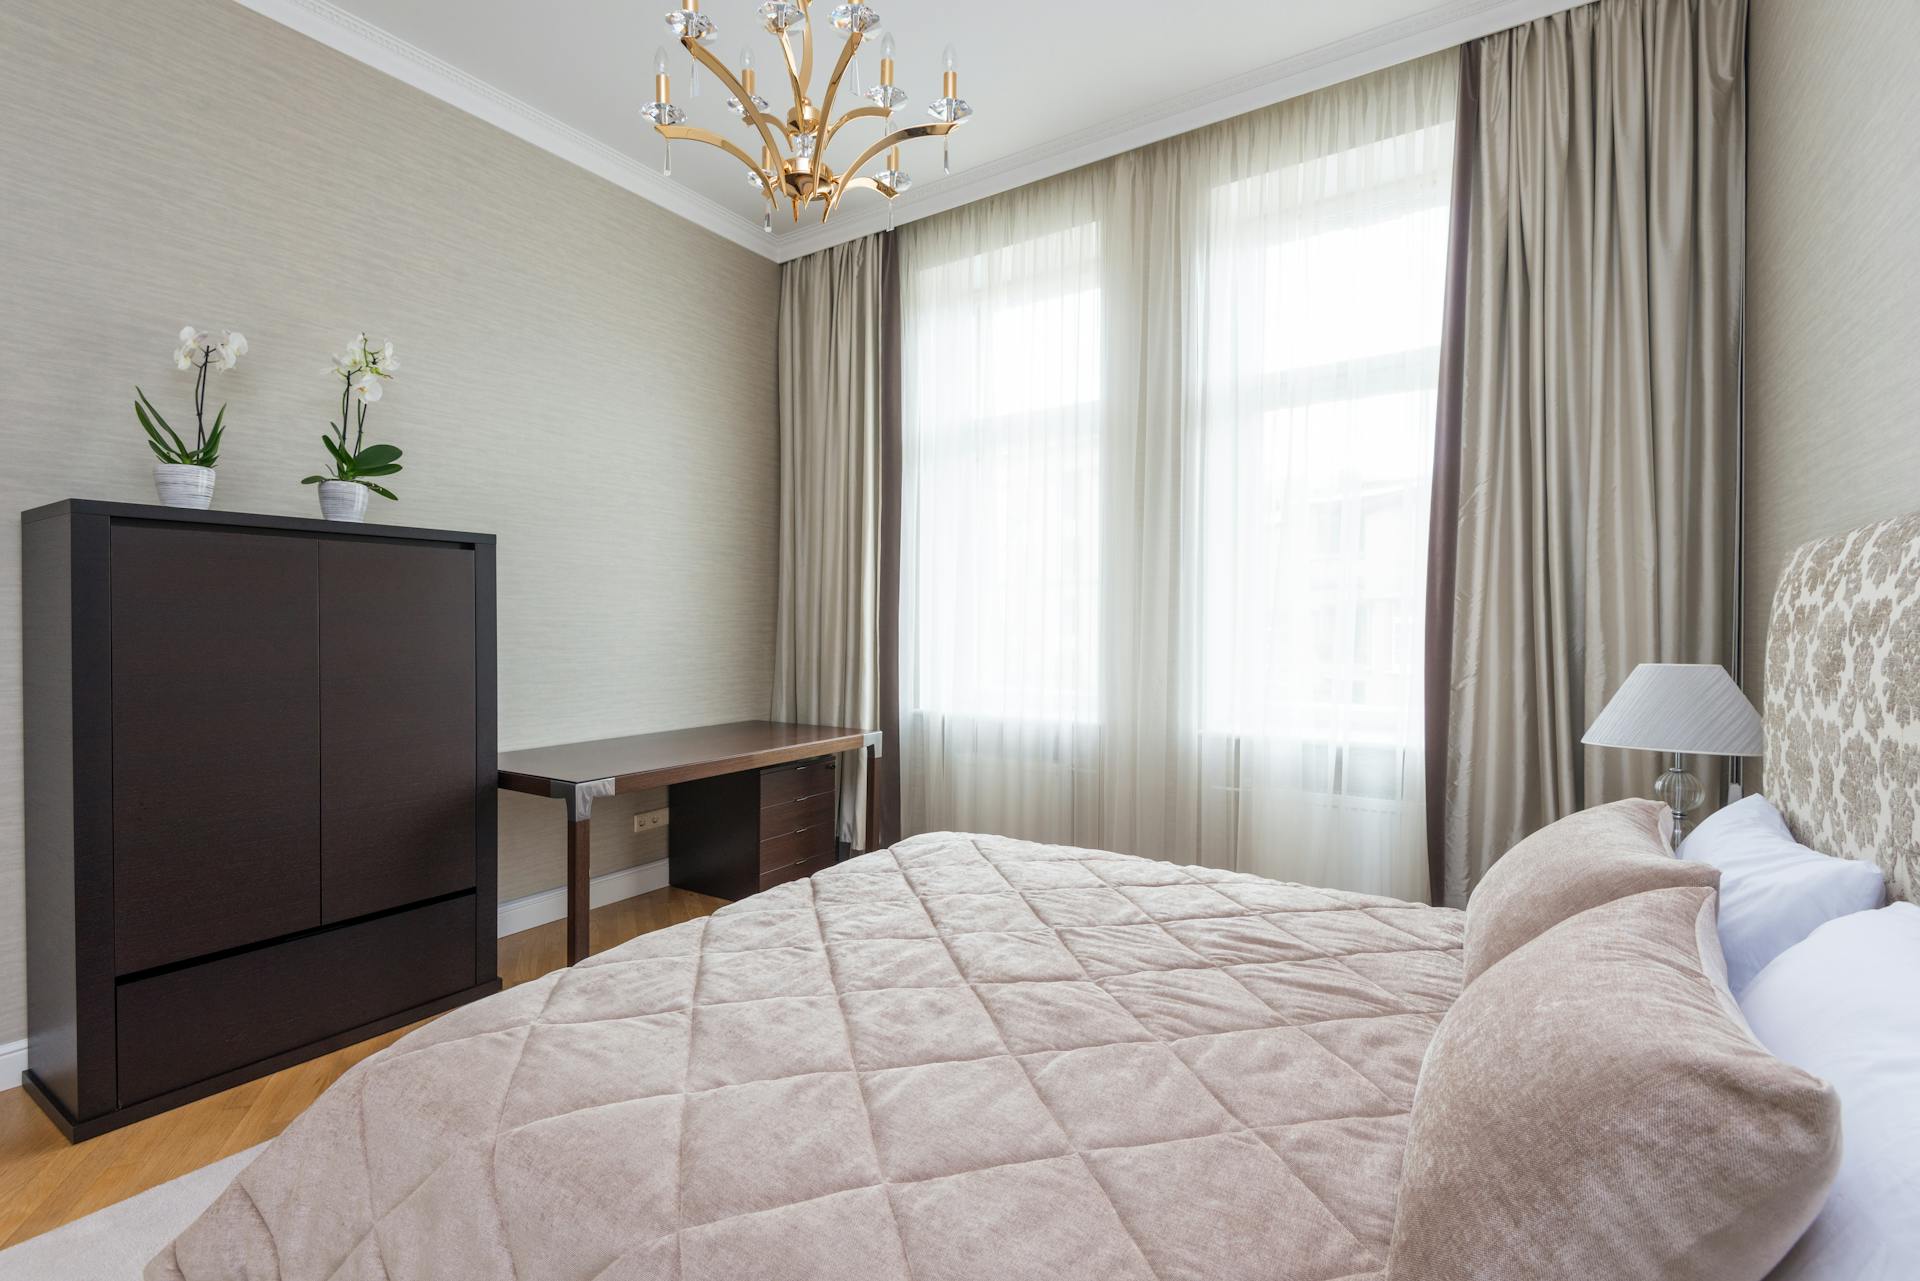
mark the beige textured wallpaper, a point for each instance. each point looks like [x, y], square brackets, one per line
[1833, 335]
[173, 161]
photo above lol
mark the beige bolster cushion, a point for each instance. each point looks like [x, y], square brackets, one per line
[1595, 1107]
[1584, 860]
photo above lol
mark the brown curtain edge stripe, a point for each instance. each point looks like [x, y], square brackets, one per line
[1443, 536]
[886, 807]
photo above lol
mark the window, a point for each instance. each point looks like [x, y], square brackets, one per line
[1166, 453]
[1323, 286]
[1003, 383]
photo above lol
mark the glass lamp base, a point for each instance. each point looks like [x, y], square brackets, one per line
[1682, 792]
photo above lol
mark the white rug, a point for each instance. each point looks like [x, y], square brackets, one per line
[114, 1244]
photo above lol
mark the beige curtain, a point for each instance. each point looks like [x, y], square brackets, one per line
[833, 357]
[1599, 415]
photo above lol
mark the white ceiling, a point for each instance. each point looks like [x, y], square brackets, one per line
[1053, 85]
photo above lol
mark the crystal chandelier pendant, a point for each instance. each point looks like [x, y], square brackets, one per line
[781, 17]
[691, 24]
[759, 105]
[855, 17]
[887, 97]
[950, 111]
[899, 180]
[663, 113]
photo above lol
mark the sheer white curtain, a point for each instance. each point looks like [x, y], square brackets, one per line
[1168, 431]
[1003, 364]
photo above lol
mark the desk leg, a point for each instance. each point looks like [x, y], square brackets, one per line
[873, 799]
[580, 800]
[579, 883]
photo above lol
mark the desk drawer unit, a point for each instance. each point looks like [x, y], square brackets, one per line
[741, 833]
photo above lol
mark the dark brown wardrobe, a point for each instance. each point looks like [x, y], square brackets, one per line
[260, 805]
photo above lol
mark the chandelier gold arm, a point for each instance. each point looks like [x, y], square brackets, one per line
[793, 68]
[893, 139]
[866, 184]
[764, 123]
[806, 46]
[757, 118]
[800, 72]
[856, 114]
[820, 131]
[691, 134]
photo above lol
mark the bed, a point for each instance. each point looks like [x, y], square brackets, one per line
[965, 1056]
[970, 1056]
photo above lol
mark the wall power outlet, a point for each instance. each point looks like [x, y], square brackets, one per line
[647, 820]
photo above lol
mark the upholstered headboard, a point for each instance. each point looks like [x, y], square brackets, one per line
[1843, 698]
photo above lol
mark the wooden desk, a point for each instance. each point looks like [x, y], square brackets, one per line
[580, 773]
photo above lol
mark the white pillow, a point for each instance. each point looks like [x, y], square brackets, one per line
[1842, 1005]
[1773, 891]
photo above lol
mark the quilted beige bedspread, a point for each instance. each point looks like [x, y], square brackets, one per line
[964, 1057]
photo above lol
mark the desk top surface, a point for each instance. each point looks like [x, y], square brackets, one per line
[680, 755]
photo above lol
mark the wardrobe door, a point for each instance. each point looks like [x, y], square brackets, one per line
[216, 740]
[397, 724]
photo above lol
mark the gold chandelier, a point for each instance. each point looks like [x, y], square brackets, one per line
[792, 168]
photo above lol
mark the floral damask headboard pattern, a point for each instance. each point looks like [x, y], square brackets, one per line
[1843, 698]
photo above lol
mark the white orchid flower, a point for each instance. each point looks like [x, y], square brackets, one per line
[180, 358]
[386, 358]
[237, 343]
[186, 335]
[367, 391]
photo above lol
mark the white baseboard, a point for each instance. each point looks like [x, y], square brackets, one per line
[13, 1061]
[551, 905]
[515, 915]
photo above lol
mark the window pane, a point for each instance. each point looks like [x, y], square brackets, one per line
[1003, 384]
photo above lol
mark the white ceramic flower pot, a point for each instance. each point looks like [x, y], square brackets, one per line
[182, 485]
[343, 500]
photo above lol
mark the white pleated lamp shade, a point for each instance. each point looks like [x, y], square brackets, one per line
[1691, 708]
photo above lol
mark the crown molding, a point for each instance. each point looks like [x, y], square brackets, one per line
[380, 49]
[1357, 55]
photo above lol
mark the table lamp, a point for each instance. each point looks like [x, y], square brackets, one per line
[1679, 708]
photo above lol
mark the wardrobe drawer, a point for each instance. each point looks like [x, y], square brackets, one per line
[797, 815]
[785, 783]
[770, 879]
[789, 848]
[188, 1024]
